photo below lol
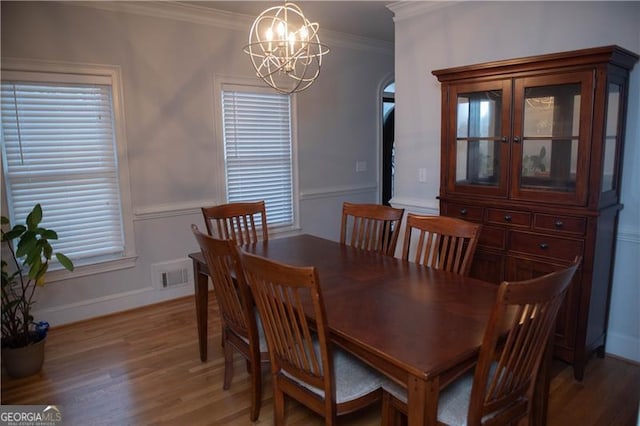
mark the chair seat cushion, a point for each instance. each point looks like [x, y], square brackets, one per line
[453, 404]
[352, 378]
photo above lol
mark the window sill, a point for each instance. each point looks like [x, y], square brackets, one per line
[91, 269]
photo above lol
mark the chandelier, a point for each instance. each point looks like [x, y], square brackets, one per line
[285, 49]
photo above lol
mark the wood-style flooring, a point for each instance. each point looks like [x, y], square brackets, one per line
[142, 367]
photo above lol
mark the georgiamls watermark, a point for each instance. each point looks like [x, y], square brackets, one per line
[30, 415]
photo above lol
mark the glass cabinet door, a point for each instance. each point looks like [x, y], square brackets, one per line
[548, 138]
[479, 127]
[609, 169]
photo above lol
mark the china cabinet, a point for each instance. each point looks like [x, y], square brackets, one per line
[532, 149]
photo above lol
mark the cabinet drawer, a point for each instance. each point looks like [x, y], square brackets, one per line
[544, 245]
[464, 211]
[491, 236]
[509, 217]
[570, 224]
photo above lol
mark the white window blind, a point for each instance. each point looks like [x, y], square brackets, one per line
[258, 151]
[59, 150]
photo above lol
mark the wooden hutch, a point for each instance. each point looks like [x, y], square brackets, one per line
[532, 149]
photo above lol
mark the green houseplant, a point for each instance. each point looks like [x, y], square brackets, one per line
[28, 262]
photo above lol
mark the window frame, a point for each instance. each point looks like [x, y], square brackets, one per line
[50, 71]
[219, 82]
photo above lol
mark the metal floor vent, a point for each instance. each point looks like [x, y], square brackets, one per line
[172, 273]
[177, 277]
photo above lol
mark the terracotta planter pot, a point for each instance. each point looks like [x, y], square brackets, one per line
[24, 361]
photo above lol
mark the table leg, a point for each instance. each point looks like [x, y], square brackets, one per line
[201, 283]
[423, 401]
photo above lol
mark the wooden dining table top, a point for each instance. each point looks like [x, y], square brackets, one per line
[418, 320]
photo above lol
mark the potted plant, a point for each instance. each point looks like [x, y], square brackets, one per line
[22, 339]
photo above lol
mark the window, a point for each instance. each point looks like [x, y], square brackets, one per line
[60, 149]
[258, 150]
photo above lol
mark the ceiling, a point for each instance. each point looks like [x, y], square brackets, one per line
[369, 19]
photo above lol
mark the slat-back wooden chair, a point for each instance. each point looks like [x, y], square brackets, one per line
[242, 330]
[501, 392]
[237, 221]
[372, 227]
[305, 366]
[443, 242]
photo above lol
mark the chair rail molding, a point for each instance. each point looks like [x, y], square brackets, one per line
[160, 211]
[336, 191]
[628, 234]
[417, 205]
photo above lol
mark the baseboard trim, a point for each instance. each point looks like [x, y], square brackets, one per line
[623, 346]
[106, 305]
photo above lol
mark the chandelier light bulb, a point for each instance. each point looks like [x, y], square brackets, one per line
[286, 59]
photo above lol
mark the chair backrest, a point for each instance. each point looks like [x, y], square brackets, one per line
[372, 227]
[237, 221]
[230, 287]
[443, 242]
[281, 292]
[502, 391]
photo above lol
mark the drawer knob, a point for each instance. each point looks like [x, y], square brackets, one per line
[559, 224]
[463, 212]
[544, 246]
[508, 218]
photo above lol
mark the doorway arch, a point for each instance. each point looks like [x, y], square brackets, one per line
[388, 141]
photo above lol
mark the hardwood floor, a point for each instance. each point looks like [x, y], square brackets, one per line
[142, 367]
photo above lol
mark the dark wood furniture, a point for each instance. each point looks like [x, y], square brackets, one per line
[532, 149]
[372, 227]
[420, 326]
[237, 221]
[238, 317]
[304, 365]
[443, 242]
[500, 390]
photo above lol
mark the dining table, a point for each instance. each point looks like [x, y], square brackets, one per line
[419, 326]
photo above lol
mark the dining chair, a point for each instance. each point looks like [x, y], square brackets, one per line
[305, 366]
[241, 327]
[239, 221]
[372, 227]
[500, 391]
[443, 242]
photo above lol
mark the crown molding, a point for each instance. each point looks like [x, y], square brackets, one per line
[408, 9]
[222, 19]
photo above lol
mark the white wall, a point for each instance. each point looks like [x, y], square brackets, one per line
[431, 36]
[168, 66]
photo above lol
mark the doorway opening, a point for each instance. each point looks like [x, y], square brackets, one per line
[388, 139]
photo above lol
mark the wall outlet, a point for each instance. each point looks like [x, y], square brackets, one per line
[422, 175]
[361, 166]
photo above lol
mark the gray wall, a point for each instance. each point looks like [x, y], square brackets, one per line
[168, 67]
[433, 36]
